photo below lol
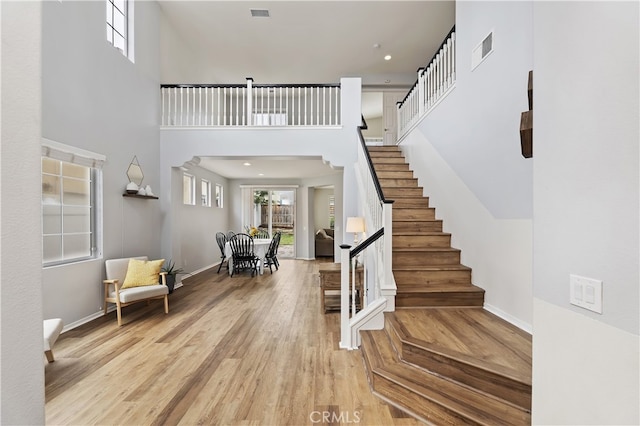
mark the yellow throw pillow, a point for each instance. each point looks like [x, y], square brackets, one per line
[142, 272]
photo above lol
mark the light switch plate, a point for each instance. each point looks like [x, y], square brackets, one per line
[585, 293]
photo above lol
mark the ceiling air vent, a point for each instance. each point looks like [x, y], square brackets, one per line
[481, 51]
[260, 13]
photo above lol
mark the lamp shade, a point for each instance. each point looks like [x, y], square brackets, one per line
[355, 224]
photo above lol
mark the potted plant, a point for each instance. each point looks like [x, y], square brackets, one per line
[170, 268]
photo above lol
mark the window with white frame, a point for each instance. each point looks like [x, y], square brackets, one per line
[189, 189]
[219, 196]
[118, 24]
[205, 195]
[71, 204]
[332, 211]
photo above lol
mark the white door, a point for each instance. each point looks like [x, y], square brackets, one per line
[390, 116]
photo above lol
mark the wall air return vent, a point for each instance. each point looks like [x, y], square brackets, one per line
[260, 13]
[482, 50]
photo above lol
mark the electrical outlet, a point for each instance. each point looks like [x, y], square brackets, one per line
[585, 293]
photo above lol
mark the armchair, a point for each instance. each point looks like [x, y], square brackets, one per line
[114, 293]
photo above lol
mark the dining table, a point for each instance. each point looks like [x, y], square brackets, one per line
[260, 248]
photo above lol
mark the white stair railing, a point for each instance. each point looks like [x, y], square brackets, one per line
[375, 256]
[222, 105]
[434, 82]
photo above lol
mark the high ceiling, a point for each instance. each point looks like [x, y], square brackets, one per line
[306, 41]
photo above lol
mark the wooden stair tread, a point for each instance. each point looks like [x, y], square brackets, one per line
[441, 288]
[458, 402]
[426, 249]
[428, 268]
[472, 336]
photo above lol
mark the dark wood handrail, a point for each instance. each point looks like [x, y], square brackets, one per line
[366, 243]
[439, 47]
[422, 70]
[374, 176]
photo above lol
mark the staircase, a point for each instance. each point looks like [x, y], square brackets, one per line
[446, 360]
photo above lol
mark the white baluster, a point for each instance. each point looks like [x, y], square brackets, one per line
[453, 54]
[299, 106]
[224, 106]
[306, 112]
[192, 94]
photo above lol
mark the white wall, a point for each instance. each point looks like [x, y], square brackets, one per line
[194, 227]
[466, 154]
[586, 366]
[375, 128]
[477, 131]
[96, 99]
[21, 349]
[180, 61]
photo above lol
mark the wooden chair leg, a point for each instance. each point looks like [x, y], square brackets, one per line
[49, 355]
[118, 310]
[166, 304]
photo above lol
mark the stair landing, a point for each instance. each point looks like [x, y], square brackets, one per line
[451, 366]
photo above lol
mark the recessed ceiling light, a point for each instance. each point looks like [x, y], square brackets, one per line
[246, 164]
[260, 174]
[387, 58]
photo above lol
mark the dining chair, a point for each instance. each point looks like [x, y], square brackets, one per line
[271, 258]
[242, 254]
[221, 239]
[262, 233]
[230, 234]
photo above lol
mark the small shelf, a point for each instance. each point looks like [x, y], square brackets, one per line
[149, 197]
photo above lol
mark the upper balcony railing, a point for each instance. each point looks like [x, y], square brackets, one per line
[224, 105]
[434, 82]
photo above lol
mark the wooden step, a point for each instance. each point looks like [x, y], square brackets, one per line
[432, 399]
[383, 148]
[417, 227]
[394, 174]
[397, 167]
[398, 183]
[395, 193]
[413, 214]
[388, 159]
[469, 346]
[402, 202]
[440, 295]
[390, 153]
[425, 276]
[424, 239]
[426, 256]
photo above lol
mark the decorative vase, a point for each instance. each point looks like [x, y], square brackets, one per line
[171, 282]
[132, 188]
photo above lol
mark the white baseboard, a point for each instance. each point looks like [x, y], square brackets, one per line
[509, 318]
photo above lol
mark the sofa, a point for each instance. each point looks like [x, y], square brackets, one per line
[324, 242]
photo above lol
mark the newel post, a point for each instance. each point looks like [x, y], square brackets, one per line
[388, 289]
[345, 332]
[249, 101]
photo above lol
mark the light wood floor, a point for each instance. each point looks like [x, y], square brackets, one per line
[233, 351]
